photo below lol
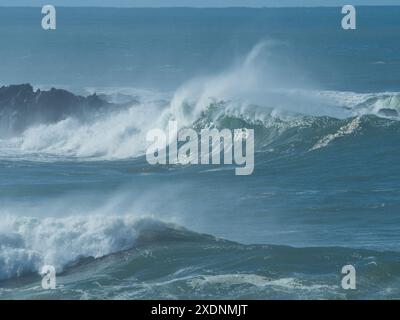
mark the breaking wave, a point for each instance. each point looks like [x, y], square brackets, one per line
[115, 124]
[29, 243]
[126, 257]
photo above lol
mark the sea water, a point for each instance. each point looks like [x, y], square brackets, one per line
[79, 194]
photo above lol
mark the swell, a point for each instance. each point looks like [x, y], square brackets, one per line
[250, 93]
[28, 243]
[152, 259]
[119, 132]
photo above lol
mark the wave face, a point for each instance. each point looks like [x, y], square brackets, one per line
[127, 258]
[126, 129]
[58, 123]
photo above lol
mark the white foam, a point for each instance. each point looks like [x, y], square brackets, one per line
[345, 130]
[255, 280]
[29, 243]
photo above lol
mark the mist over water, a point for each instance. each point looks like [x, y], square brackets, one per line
[76, 190]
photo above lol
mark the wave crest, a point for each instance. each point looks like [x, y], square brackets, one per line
[250, 93]
[29, 243]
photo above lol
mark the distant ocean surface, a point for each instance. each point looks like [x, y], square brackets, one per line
[76, 190]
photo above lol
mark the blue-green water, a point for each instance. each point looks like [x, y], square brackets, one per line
[77, 193]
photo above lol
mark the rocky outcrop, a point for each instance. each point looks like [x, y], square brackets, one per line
[21, 106]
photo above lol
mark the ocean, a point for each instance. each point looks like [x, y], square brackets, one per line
[77, 193]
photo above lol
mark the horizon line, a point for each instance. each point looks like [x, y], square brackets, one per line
[198, 7]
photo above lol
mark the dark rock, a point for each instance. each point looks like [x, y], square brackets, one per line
[21, 107]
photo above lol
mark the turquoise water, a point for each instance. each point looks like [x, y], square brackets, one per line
[77, 192]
